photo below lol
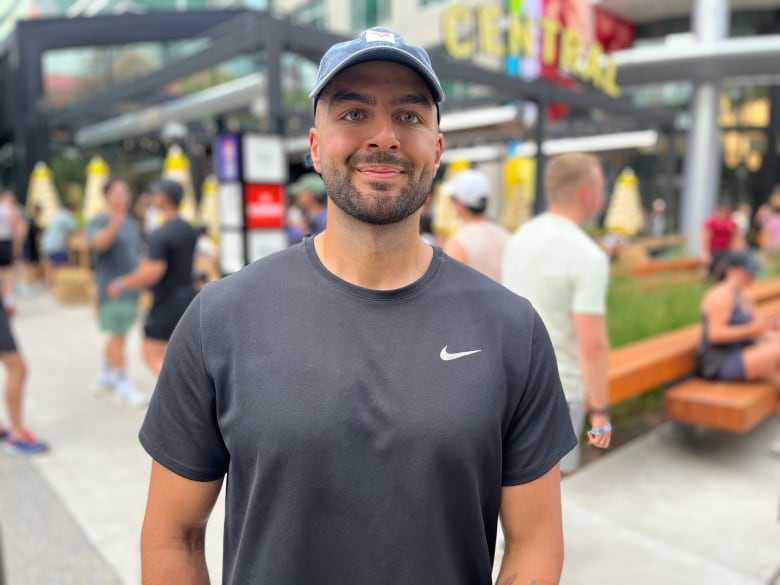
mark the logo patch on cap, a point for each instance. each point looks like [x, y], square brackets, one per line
[375, 36]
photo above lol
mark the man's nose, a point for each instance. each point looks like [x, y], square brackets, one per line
[384, 135]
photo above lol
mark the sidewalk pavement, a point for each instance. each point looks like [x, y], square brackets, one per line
[657, 511]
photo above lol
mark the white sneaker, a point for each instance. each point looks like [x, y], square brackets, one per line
[130, 394]
[106, 380]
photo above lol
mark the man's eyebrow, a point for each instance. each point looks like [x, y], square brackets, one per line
[351, 96]
[411, 99]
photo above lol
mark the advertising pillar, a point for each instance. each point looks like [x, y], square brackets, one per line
[252, 173]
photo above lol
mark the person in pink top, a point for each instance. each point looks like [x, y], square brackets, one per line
[717, 236]
[770, 230]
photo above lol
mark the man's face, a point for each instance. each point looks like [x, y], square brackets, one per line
[305, 201]
[376, 141]
[595, 190]
[118, 197]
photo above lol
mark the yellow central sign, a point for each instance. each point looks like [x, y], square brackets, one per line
[488, 31]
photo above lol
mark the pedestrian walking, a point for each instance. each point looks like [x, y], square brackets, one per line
[718, 235]
[17, 436]
[480, 242]
[372, 403]
[115, 239]
[54, 242]
[308, 194]
[552, 262]
[167, 269]
[13, 229]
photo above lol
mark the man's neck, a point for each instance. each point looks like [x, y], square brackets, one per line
[570, 213]
[385, 257]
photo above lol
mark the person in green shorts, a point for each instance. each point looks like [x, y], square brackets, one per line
[116, 241]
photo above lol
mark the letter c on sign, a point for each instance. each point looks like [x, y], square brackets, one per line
[455, 19]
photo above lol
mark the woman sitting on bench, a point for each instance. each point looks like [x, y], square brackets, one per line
[736, 344]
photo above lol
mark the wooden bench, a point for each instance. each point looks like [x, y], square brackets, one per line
[735, 407]
[669, 265]
[669, 360]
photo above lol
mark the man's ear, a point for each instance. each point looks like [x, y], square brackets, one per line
[314, 149]
[439, 151]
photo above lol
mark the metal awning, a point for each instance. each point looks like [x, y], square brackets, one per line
[701, 62]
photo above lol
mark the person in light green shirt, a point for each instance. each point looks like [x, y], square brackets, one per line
[552, 262]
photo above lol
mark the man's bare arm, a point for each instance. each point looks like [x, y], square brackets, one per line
[531, 519]
[593, 347]
[174, 529]
[106, 237]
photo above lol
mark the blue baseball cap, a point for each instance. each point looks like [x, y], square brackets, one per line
[745, 260]
[376, 44]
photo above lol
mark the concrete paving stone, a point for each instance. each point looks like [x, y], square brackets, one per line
[42, 543]
[688, 501]
[612, 554]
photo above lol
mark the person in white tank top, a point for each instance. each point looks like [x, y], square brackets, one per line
[13, 230]
[479, 243]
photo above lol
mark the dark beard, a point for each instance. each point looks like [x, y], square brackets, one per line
[376, 208]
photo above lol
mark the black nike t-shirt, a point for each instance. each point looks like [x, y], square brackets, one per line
[366, 435]
[173, 242]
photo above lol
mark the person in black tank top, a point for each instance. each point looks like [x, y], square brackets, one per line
[736, 344]
[167, 271]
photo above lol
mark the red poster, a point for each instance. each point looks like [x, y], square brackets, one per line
[264, 206]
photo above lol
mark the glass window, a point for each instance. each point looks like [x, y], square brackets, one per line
[313, 13]
[368, 13]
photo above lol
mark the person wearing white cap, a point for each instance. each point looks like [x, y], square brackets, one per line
[372, 402]
[479, 243]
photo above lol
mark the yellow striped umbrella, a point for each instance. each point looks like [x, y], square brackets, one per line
[94, 200]
[209, 207]
[177, 167]
[42, 192]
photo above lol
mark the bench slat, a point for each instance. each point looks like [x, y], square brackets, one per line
[667, 265]
[734, 407]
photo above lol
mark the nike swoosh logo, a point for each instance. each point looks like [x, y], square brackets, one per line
[447, 356]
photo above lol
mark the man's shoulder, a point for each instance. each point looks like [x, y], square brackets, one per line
[273, 272]
[490, 294]
[98, 221]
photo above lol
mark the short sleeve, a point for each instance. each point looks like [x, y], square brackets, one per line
[157, 246]
[591, 281]
[95, 226]
[540, 432]
[181, 430]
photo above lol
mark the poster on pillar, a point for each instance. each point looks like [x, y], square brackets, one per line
[263, 159]
[264, 206]
[227, 158]
[261, 243]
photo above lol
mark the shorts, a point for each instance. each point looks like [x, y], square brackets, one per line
[58, 258]
[165, 314]
[6, 253]
[571, 461]
[733, 367]
[117, 316]
[7, 341]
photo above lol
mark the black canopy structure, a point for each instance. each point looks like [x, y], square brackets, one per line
[26, 121]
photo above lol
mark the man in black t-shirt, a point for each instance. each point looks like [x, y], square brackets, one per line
[167, 270]
[372, 403]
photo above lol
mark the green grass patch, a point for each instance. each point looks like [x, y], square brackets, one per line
[637, 309]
